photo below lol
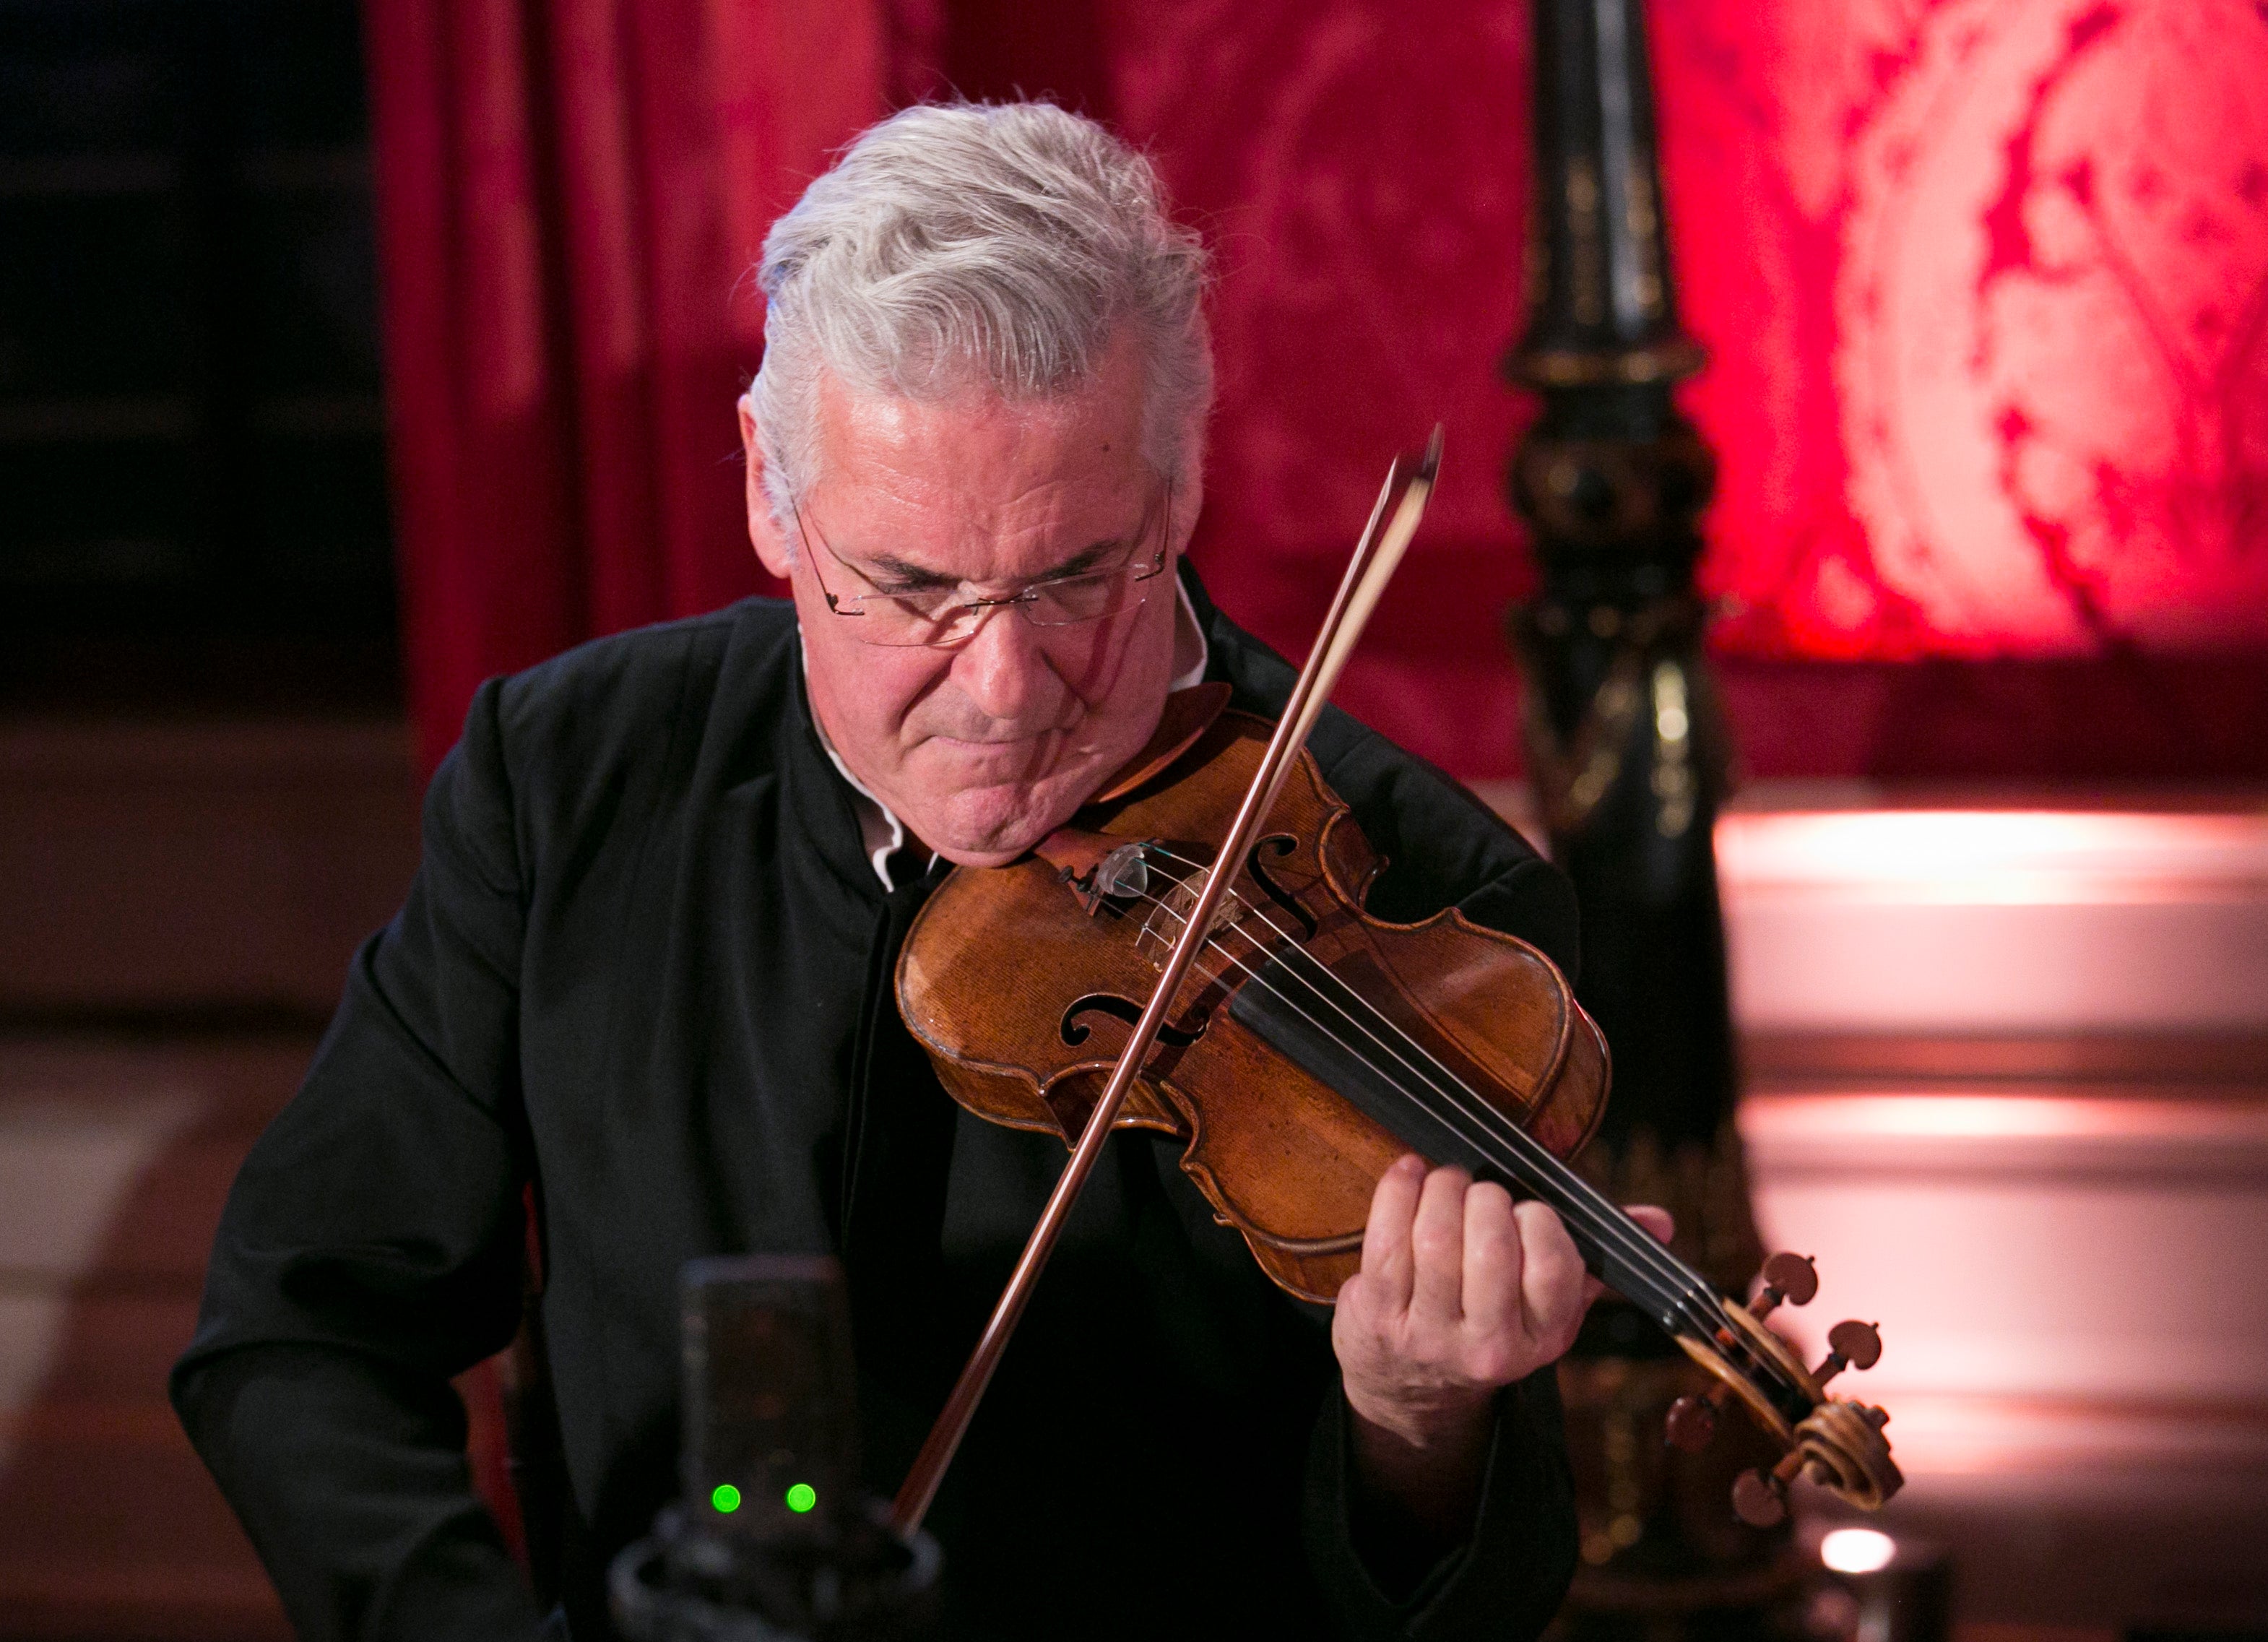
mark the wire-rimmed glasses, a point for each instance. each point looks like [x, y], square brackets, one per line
[944, 616]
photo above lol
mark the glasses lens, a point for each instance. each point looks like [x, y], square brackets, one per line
[945, 618]
[1081, 599]
[894, 621]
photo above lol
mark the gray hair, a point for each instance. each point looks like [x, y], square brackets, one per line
[980, 245]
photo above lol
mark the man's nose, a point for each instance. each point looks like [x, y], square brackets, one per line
[1004, 671]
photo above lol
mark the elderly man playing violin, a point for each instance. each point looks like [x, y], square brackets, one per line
[637, 1009]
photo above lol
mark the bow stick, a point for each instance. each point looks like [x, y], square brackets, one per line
[1392, 522]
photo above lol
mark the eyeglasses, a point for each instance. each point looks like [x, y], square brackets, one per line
[942, 618]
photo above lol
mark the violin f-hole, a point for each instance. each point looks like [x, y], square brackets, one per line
[1075, 1032]
[1279, 845]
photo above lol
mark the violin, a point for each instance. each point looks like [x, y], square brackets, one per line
[1192, 957]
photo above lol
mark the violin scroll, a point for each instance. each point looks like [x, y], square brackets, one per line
[1838, 1444]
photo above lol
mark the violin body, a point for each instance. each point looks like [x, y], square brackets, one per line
[1310, 1045]
[1024, 991]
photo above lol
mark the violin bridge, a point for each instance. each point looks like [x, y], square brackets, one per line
[1163, 928]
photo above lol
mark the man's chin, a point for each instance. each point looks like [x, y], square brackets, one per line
[992, 825]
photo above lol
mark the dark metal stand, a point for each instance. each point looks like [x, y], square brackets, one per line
[771, 1541]
[859, 1581]
[1629, 758]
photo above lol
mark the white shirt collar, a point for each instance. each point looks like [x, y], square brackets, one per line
[883, 835]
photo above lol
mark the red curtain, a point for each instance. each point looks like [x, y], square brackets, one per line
[1984, 289]
[1985, 284]
[570, 193]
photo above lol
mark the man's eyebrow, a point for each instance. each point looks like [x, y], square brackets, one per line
[1086, 559]
[897, 570]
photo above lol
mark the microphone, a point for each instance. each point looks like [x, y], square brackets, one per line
[772, 1539]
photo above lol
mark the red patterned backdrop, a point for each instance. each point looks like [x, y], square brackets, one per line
[1985, 284]
[1992, 333]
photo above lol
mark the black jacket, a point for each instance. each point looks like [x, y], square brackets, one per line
[645, 969]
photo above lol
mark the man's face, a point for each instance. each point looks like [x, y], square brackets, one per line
[982, 749]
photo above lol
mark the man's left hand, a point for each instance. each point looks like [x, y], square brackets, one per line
[1461, 1292]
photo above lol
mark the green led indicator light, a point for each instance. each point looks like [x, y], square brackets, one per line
[727, 1498]
[801, 1497]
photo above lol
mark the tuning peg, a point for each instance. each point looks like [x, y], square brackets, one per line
[1790, 1277]
[1760, 1497]
[1757, 1500]
[1849, 1345]
[1692, 1421]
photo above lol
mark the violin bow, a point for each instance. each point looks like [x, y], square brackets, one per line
[1377, 553]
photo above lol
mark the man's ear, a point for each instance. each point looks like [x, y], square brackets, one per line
[772, 549]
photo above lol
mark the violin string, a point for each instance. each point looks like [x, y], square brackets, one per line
[1688, 1295]
[1607, 1222]
[1480, 1110]
[1604, 1226]
[1680, 1290]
